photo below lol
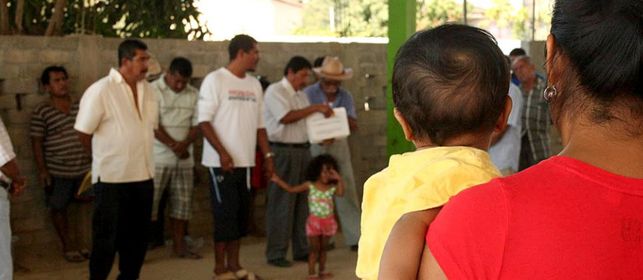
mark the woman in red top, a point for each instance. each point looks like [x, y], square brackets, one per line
[578, 215]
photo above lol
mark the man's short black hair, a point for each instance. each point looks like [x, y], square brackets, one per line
[317, 164]
[319, 61]
[240, 42]
[44, 78]
[449, 81]
[182, 66]
[297, 63]
[517, 52]
[127, 49]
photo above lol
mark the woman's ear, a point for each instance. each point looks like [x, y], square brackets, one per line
[550, 57]
[408, 132]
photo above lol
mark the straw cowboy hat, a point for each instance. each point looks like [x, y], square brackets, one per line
[333, 69]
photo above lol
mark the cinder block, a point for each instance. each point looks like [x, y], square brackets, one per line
[20, 55]
[54, 57]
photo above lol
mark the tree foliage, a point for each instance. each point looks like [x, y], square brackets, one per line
[344, 18]
[431, 13]
[112, 18]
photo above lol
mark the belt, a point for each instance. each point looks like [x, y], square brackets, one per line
[4, 185]
[291, 145]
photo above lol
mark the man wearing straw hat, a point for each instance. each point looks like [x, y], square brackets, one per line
[328, 91]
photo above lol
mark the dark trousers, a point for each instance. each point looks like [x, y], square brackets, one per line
[286, 213]
[121, 222]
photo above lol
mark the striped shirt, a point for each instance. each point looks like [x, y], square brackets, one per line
[64, 155]
[536, 120]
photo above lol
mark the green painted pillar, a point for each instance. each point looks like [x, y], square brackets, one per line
[401, 25]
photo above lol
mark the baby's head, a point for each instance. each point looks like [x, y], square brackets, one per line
[319, 169]
[450, 82]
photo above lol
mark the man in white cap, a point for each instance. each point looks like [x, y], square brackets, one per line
[286, 108]
[328, 91]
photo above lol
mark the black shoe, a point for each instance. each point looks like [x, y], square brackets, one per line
[354, 248]
[301, 259]
[280, 263]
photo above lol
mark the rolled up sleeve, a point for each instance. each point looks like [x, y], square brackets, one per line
[208, 100]
[90, 112]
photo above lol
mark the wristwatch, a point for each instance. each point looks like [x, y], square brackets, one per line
[269, 155]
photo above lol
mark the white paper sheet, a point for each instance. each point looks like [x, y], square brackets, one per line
[320, 128]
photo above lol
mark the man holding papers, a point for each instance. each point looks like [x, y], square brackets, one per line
[286, 108]
[328, 91]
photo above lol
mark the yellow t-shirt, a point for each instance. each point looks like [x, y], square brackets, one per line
[414, 181]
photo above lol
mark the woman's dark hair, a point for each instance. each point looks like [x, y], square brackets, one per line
[449, 81]
[602, 40]
[317, 164]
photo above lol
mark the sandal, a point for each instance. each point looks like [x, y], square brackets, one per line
[325, 275]
[313, 277]
[228, 275]
[73, 256]
[247, 275]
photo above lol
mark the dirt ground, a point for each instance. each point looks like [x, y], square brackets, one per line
[159, 265]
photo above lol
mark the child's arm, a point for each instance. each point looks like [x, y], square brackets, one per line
[339, 188]
[291, 189]
[406, 239]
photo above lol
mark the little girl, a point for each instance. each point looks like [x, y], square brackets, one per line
[323, 182]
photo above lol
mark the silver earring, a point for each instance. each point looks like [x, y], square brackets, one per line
[549, 93]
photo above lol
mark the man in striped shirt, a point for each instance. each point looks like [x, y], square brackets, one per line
[536, 121]
[61, 160]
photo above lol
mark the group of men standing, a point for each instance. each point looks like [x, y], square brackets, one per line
[136, 139]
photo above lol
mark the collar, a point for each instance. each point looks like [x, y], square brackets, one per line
[116, 76]
[286, 84]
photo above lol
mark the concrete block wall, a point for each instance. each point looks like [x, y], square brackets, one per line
[88, 58]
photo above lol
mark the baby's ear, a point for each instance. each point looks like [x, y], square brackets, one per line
[408, 132]
[501, 123]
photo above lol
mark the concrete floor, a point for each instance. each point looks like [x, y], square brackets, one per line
[160, 266]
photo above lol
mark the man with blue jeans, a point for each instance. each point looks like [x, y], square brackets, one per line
[11, 182]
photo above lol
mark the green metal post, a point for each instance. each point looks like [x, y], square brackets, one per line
[401, 25]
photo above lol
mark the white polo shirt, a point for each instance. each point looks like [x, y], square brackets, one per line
[282, 98]
[122, 138]
[234, 108]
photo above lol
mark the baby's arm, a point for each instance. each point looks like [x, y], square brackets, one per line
[285, 186]
[405, 245]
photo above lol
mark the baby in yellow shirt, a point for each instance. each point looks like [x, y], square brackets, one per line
[450, 90]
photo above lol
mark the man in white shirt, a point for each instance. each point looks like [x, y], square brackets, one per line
[286, 108]
[116, 122]
[11, 182]
[173, 158]
[230, 117]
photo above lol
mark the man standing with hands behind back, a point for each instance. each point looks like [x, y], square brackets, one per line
[116, 122]
[230, 115]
